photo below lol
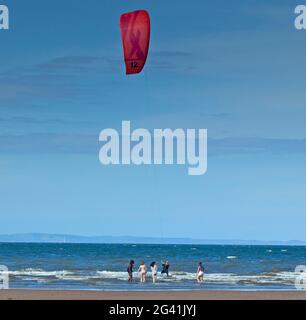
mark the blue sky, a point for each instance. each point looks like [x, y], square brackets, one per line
[235, 68]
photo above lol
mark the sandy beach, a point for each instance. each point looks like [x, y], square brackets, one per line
[158, 295]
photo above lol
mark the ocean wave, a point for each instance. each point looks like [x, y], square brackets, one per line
[231, 257]
[39, 273]
[268, 278]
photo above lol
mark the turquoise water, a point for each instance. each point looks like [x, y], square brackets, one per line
[103, 266]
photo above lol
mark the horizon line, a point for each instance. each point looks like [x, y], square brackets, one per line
[128, 239]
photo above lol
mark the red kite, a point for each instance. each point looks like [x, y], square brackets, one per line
[135, 32]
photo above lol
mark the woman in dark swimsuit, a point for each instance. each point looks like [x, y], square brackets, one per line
[130, 270]
[166, 267]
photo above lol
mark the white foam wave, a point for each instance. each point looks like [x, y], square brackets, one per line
[114, 275]
[39, 273]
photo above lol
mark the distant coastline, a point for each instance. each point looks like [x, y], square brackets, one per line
[66, 238]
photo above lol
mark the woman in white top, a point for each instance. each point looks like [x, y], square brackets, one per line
[154, 271]
[200, 272]
[142, 272]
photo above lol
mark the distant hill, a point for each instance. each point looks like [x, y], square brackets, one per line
[63, 238]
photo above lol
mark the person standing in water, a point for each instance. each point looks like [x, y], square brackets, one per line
[166, 267]
[130, 270]
[200, 272]
[142, 272]
[154, 271]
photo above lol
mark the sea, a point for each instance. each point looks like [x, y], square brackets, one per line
[103, 266]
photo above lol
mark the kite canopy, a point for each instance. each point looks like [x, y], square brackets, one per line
[135, 32]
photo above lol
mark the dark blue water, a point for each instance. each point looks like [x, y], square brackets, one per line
[103, 266]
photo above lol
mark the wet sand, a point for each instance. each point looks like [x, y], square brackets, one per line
[158, 295]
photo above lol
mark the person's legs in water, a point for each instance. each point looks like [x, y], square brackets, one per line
[143, 277]
[154, 278]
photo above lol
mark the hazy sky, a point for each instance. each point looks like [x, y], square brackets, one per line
[234, 67]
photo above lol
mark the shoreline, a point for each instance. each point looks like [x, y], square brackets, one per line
[27, 294]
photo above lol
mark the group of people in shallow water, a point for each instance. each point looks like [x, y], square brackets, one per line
[143, 270]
